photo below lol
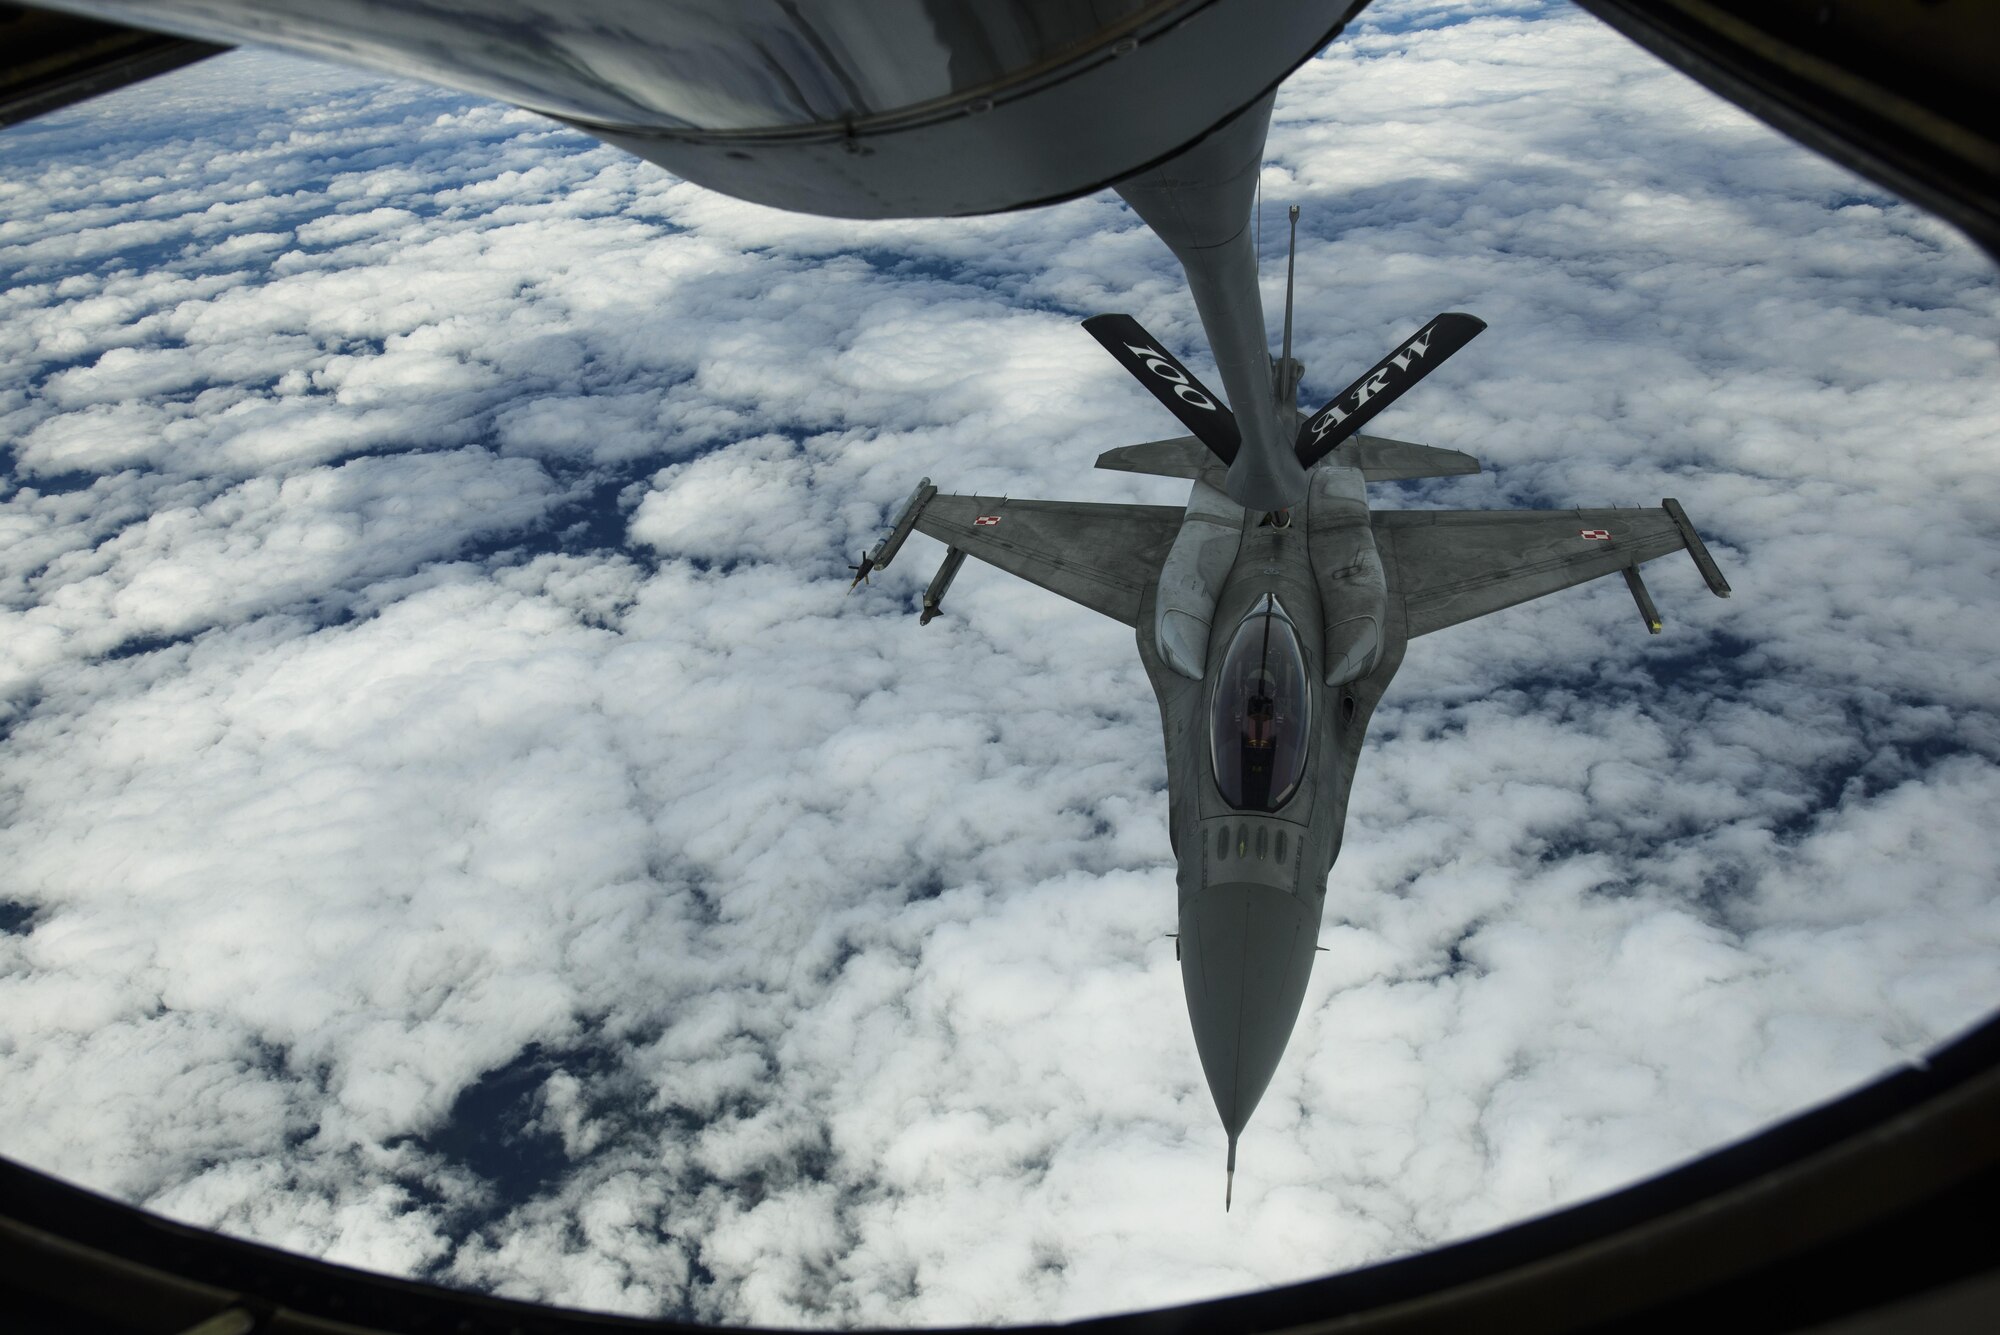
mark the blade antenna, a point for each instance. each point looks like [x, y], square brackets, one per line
[1260, 222]
[1289, 400]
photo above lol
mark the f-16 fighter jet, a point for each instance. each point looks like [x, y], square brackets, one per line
[1269, 637]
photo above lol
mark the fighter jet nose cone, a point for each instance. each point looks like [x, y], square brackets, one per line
[1246, 952]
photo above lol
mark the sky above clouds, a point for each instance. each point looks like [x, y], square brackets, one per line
[455, 822]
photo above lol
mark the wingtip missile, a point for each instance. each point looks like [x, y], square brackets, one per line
[1711, 574]
[885, 551]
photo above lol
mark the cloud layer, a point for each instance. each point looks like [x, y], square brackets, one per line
[455, 824]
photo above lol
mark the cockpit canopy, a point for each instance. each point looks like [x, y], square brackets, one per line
[1261, 713]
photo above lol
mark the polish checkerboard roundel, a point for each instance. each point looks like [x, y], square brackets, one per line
[987, 521]
[1594, 534]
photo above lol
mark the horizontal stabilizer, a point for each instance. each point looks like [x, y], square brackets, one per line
[1383, 460]
[1182, 456]
[1350, 410]
[1168, 381]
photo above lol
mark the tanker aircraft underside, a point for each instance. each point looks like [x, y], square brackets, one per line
[1269, 637]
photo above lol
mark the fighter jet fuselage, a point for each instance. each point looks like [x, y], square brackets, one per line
[1257, 784]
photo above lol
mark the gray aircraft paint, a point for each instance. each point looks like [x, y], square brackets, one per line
[1261, 524]
[1356, 585]
[889, 109]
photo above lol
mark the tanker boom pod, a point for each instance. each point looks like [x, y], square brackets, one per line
[866, 109]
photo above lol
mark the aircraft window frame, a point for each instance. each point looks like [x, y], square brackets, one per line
[1261, 708]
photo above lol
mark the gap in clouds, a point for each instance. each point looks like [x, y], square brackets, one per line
[459, 826]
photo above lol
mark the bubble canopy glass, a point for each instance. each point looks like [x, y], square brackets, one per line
[1261, 712]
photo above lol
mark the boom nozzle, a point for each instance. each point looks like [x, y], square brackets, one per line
[1229, 1177]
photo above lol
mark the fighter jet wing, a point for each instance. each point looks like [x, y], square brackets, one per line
[1102, 556]
[1453, 565]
